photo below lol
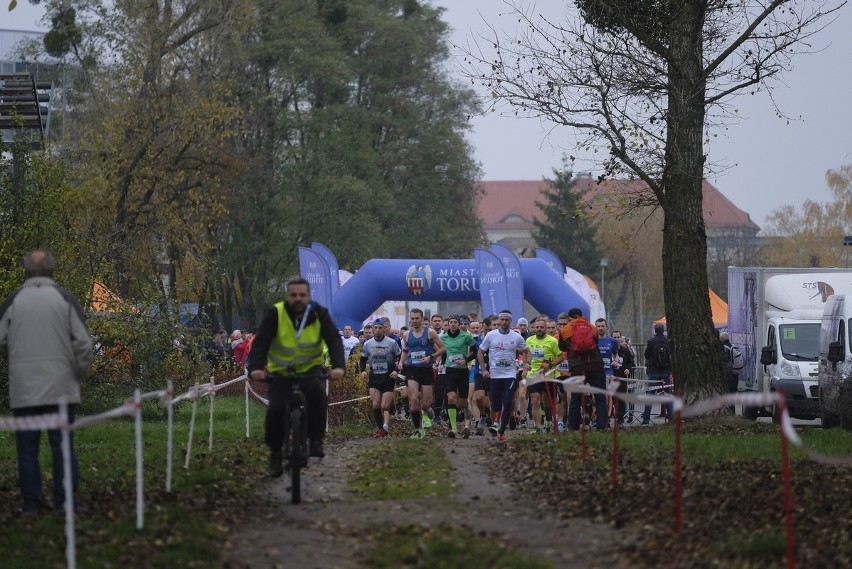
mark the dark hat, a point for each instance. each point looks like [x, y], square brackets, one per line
[464, 319]
[378, 322]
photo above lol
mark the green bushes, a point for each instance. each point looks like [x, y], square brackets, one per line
[137, 351]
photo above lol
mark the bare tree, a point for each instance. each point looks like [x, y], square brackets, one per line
[813, 234]
[646, 81]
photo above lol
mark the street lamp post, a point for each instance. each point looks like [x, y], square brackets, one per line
[604, 265]
[847, 242]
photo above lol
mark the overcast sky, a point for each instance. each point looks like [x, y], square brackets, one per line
[771, 163]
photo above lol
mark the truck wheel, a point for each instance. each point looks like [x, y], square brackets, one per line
[829, 419]
[776, 414]
[751, 413]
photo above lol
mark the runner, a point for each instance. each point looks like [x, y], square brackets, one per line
[608, 347]
[562, 408]
[420, 347]
[545, 355]
[382, 353]
[481, 387]
[580, 341]
[502, 346]
[459, 346]
[433, 407]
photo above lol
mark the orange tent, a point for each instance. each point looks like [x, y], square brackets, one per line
[103, 299]
[719, 308]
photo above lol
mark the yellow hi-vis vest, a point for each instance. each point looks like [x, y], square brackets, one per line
[289, 354]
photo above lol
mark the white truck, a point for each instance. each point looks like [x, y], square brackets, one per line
[835, 363]
[774, 318]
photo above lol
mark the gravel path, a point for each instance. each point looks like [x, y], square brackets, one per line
[326, 531]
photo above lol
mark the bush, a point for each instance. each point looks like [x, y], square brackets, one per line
[137, 351]
[351, 386]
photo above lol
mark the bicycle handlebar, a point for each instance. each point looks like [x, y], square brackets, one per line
[270, 377]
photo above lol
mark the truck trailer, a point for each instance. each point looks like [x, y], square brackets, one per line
[774, 318]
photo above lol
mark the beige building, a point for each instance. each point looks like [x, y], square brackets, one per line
[507, 210]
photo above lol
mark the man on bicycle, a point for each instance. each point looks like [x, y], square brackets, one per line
[290, 341]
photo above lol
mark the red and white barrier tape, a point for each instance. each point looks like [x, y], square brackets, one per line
[32, 423]
[195, 392]
[257, 395]
[219, 386]
[124, 410]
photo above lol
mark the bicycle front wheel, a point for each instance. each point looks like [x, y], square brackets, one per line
[296, 457]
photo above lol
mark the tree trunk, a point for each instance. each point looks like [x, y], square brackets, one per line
[698, 369]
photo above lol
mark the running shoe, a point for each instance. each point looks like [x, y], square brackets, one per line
[380, 434]
[418, 434]
[452, 433]
[480, 431]
[501, 437]
[427, 422]
[539, 431]
[466, 432]
[561, 426]
[494, 428]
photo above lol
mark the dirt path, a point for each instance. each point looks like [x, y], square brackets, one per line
[327, 530]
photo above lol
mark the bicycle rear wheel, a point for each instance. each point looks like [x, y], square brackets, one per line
[296, 457]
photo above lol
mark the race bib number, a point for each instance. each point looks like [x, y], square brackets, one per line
[538, 353]
[458, 360]
[504, 363]
[417, 357]
[380, 367]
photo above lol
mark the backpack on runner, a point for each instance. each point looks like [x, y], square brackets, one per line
[583, 336]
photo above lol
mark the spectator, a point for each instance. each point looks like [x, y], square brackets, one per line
[44, 336]
[658, 361]
[214, 352]
[239, 347]
[624, 371]
[731, 374]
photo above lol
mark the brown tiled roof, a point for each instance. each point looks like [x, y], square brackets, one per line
[515, 200]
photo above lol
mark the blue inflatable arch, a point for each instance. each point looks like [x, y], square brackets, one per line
[380, 280]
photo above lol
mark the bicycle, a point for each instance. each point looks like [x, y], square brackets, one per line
[295, 431]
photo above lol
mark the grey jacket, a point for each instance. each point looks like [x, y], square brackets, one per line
[43, 332]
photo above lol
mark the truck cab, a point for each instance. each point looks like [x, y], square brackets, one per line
[835, 363]
[790, 359]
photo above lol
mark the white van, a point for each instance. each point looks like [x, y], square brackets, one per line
[835, 362]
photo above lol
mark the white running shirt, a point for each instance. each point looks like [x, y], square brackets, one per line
[503, 352]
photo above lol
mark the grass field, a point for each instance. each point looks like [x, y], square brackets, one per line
[731, 480]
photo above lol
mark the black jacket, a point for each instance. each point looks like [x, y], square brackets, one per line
[268, 330]
[651, 351]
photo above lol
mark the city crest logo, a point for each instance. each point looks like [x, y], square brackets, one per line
[418, 278]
